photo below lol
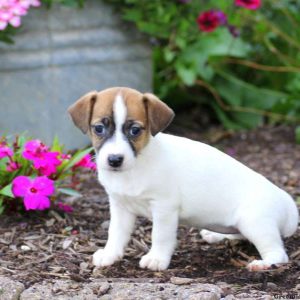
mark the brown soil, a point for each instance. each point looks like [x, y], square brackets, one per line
[59, 245]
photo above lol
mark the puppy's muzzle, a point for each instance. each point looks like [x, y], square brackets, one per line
[115, 160]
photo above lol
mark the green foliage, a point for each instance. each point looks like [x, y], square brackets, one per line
[298, 135]
[70, 3]
[254, 76]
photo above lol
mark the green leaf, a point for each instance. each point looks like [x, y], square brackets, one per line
[298, 200]
[297, 133]
[224, 118]
[169, 55]
[2, 207]
[239, 92]
[222, 43]
[77, 157]
[69, 192]
[6, 191]
[187, 75]
[56, 146]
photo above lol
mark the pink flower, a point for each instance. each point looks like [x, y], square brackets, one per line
[12, 166]
[65, 156]
[12, 10]
[47, 163]
[34, 149]
[5, 151]
[249, 4]
[64, 207]
[86, 162]
[209, 20]
[34, 191]
[43, 160]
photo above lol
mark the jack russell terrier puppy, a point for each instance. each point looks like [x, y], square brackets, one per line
[171, 179]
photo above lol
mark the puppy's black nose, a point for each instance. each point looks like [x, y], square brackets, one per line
[115, 160]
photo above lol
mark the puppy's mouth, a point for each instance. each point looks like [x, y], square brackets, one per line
[115, 169]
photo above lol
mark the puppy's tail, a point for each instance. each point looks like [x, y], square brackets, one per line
[291, 216]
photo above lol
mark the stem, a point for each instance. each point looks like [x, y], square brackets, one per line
[284, 58]
[282, 34]
[262, 67]
[237, 108]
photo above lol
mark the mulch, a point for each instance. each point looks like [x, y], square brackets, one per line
[40, 246]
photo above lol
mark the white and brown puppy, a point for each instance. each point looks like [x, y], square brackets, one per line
[170, 179]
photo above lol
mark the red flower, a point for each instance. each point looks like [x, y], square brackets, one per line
[209, 20]
[86, 162]
[249, 4]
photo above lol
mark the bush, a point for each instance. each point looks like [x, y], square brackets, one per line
[246, 63]
[34, 173]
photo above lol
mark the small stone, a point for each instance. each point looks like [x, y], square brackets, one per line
[271, 285]
[106, 297]
[181, 280]
[10, 289]
[229, 297]
[105, 224]
[83, 265]
[204, 296]
[104, 288]
[67, 243]
[25, 248]
[50, 222]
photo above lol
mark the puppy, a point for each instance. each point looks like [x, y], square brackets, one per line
[170, 179]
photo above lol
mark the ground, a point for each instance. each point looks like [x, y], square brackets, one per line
[38, 247]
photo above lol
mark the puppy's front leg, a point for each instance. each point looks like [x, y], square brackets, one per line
[120, 229]
[165, 223]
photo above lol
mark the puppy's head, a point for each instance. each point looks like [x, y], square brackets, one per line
[119, 122]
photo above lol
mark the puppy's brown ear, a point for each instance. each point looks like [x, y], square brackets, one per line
[160, 114]
[81, 111]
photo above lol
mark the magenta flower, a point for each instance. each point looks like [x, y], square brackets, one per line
[5, 151]
[47, 163]
[64, 207]
[34, 149]
[249, 4]
[12, 166]
[34, 191]
[208, 21]
[43, 160]
[65, 156]
[86, 162]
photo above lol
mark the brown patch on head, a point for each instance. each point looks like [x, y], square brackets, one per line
[160, 115]
[81, 111]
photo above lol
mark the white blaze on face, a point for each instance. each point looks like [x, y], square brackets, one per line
[117, 144]
[119, 113]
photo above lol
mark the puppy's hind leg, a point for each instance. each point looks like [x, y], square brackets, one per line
[266, 238]
[215, 237]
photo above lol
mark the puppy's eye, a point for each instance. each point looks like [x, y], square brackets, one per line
[100, 129]
[135, 131]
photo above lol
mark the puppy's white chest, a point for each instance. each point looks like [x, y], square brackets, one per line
[127, 191]
[122, 185]
[137, 205]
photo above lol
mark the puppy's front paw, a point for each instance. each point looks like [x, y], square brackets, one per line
[154, 263]
[258, 265]
[104, 258]
[211, 237]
